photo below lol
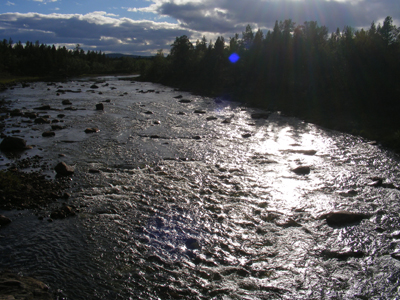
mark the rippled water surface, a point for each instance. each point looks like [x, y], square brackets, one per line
[198, 200]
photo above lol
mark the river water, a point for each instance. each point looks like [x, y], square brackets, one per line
[198, 200]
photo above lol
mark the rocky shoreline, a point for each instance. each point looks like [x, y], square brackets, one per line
[27, 190]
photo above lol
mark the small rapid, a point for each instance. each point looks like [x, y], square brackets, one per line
[183, 196]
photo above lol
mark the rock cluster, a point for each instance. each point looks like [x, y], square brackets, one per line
[19, 190]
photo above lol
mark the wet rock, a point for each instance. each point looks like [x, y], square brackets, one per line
[148, 112]
[60, 116]
[395, 255]
[48, 134]
[16, 113]
[70, 108]
[30, 115]
[342, 255]
[395, 234]
[57, 127]
[44, 107]
[94, 171]
[42, 120]
[66, 102]
[62, 212]
[349, 193]
[192, 244]
[156, 122]
[343, 218]
[4, 220]
[199, 111]
[100, 106]
[11, 143]
[196, 137]
[181, 113]
[260, 115]
[305, 152]
[178, 97]
[287, 223]
[92, 130]
[246, 135]
[20, 287]
[63, 169]
[211, 118]
[302, 170]
[68, 91]
[185, 101]
[94, 86]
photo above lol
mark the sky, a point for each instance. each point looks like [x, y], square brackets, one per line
[141, 27]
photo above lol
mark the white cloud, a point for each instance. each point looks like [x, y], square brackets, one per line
[10, 3]
[96, 30]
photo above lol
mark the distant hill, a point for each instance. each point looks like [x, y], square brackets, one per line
[119, 55]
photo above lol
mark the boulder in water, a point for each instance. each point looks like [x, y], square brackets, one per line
[302, 170]
[100, 106]
[66, 102]
[92, 130]
[4, 220]
[11, 143]
[343, 218]
[48, 134]
[43, 107]
[62, 212]
[63, 169]
[199, 111]
[42, 120]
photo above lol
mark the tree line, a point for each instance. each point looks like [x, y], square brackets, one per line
[40, 60]
[347, 79]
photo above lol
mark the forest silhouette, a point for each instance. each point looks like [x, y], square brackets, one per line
[346, 80]
[39, 60]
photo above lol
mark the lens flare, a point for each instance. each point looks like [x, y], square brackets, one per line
[234, 58]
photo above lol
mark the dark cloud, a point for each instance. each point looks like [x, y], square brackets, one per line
[203, 16]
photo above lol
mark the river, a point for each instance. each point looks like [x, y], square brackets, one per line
[197, 199]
